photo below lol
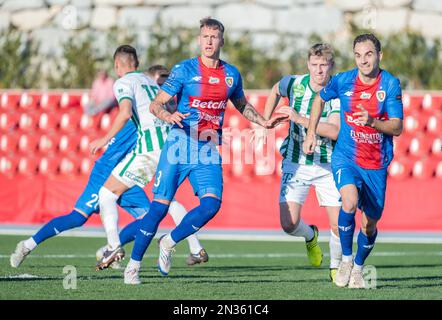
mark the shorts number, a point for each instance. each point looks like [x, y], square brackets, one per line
[157, 182]
[338, 173]
[93, 203]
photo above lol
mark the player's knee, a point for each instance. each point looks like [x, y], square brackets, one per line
[73, 220]
[105, 196]
[349, 205]
[210, 206]
[369, 229]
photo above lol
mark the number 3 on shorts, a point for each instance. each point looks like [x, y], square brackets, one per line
[157, 182]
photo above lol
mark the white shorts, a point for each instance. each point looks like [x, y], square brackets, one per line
[298, 178]
[137, 169]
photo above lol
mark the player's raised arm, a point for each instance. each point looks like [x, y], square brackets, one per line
[158, 109]
[310, 140]
[272, 101]
[123, 116]
[250, 113]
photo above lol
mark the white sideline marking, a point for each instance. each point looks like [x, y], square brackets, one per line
[245, 255]
[23, 276]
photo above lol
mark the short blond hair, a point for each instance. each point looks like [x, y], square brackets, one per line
[321, 50]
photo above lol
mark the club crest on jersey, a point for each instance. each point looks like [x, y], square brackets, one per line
[229, 81]
[298, 90]
[380, 95]
[213, 80]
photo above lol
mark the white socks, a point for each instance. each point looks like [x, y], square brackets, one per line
[335, 251]
[134, 264]
[109, 216]
[347, 258]
[303, 230]
[30, 244]
[177, 211]
[168, 242]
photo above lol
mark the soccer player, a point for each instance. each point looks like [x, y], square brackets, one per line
[202, 85]
[371, 114]
[301, 171]
[134, 91]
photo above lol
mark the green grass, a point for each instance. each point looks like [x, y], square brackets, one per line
[414, 274]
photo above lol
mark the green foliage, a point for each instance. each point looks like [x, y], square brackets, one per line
[78, 65]
[17, 66]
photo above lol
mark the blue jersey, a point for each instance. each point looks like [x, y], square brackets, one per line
[364, 145]
[203, 92]
[133, 200]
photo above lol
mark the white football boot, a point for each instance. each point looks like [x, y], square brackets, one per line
[165, 258]
[19, 254]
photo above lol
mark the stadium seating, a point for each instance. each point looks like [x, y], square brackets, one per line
[50, 131]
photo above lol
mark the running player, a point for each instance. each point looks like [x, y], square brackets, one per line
[301, 171]
[202, 85]
[371, 114]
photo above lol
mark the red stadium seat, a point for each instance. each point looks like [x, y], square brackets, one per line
[68, 144]
[400, 169]
[105, 122]
[431, 103]
[84, 99]
[69, 121]
[401, 144]
[420, 146]
[424, 169]
[83, 145]
[412, 103]
[48, 166]
[8, 166]
[89, 124]
[27, 144]
[86, 165]
[69, 100]
[28, 122]
[47, 144]
[48, 121]
[50, 101]
[68, 166]
[9, 121]
[434, 124]
[9, 143]
[29, 101]
[27, 166]
[258, 100]
[9, 101]
[413, 124]
[436, 148]
[438, 170]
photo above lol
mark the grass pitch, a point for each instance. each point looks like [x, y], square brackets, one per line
[236, 270]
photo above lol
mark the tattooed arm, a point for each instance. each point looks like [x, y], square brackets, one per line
[250, 113]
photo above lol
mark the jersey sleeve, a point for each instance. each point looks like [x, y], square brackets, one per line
[123, 90]
[335, 107]
[331, 90]
[393, 100]
[285, 86]
[175, 82]
[238, 93]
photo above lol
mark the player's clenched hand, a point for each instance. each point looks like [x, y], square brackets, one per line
[309, 144]
[274, 121]
[362, 117]
[290, 112]
[176, 118]
[96, 145]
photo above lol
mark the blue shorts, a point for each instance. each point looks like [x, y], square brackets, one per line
[205, 172]
[371, 184]
[134, 200]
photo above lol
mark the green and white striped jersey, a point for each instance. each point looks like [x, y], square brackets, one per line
[297, 89]
[141, 90]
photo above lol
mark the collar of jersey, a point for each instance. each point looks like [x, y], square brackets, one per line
[220, 64]
[135, 71]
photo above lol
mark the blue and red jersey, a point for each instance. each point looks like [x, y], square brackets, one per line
[364, 145]
[203, 92]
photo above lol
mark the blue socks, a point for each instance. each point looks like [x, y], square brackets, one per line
[128, 233]
[196, 218]
[346, 226]
[148, 227]
[365, 245]
[58, 225]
